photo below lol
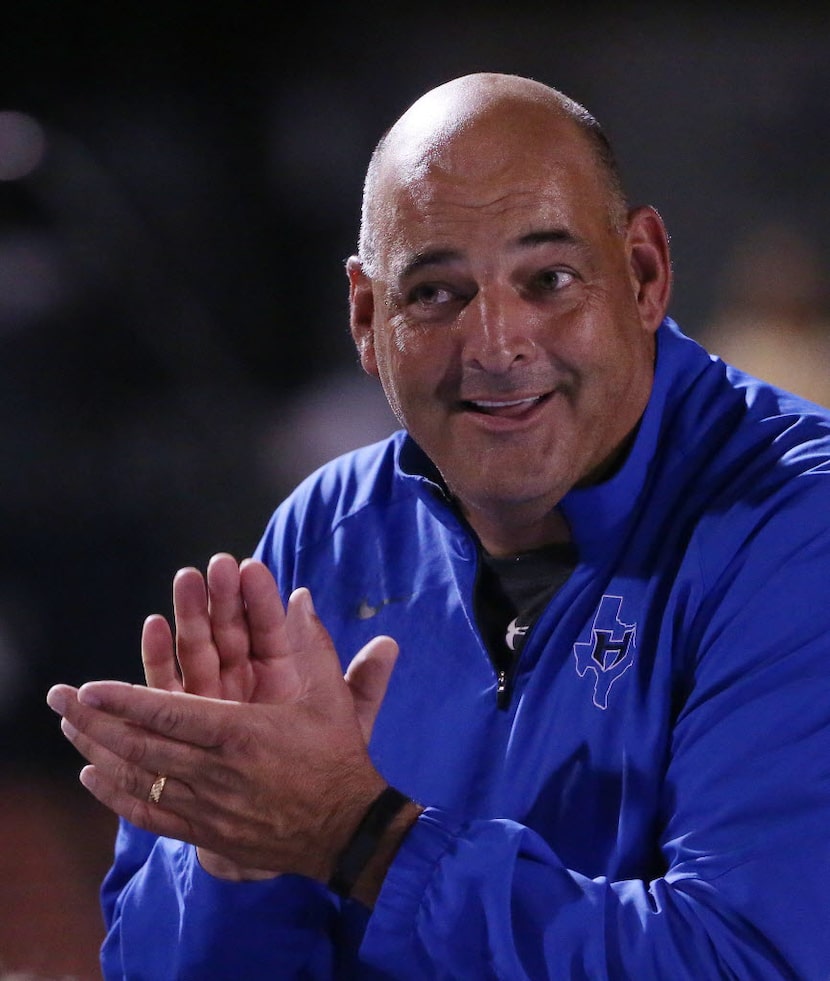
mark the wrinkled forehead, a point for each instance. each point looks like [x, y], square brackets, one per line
[470, 177]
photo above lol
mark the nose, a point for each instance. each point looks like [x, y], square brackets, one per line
[498, 331]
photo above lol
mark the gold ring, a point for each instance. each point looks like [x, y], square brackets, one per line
[157, 789]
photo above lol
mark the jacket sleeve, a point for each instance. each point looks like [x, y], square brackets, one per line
[743, 822]
[168, 918]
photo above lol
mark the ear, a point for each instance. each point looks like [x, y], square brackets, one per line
[361, 314]
[650, 264]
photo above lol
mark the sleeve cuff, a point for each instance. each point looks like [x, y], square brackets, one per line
[410, 876]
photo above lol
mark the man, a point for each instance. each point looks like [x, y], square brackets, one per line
[603, 555]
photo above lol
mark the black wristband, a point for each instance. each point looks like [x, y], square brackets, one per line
[355, 856]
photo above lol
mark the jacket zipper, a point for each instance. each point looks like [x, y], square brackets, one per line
[503, 689]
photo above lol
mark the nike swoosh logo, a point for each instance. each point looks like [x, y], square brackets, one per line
[365, 610]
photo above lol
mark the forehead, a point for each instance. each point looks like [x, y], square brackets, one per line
[485, 188]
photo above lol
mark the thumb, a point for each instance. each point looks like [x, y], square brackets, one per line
[368, 676]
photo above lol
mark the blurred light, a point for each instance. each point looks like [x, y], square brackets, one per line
[22, 145]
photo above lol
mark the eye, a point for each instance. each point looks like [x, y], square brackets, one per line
[552, 280]
[431, 294]
[431, 302]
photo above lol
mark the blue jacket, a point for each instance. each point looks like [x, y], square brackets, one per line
[654, 800]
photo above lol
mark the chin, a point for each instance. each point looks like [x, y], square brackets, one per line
[506, 497]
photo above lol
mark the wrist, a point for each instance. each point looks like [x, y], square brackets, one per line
[368, 884]
[362, 864]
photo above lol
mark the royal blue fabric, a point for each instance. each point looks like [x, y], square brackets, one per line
[653, 803]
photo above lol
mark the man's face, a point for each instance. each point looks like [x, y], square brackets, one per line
[506, 322]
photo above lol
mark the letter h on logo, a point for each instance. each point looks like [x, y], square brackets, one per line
[607, 652]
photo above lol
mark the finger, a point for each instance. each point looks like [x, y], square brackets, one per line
[127, 785]
[126, 751]
[227, 612]
[368, 678]
[158, 654]
[176, 815]
[124, 764]
[139, 810]
[132, 779]
[195, 649]
[188, 718]
[266, 616]
[60, 696]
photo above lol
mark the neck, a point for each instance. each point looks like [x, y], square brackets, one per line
[501, 535]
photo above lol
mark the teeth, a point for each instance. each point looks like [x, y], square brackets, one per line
[504, 405]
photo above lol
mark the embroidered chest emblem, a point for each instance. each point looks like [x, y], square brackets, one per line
[610, 651]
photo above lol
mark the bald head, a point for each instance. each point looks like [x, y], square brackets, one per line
[476, 123]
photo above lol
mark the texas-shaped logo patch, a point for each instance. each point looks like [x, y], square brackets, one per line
[610, 651]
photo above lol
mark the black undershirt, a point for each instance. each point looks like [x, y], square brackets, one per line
[511, 593]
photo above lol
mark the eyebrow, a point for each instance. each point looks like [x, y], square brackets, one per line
[443, 257]
[432, 257]
[545, 235]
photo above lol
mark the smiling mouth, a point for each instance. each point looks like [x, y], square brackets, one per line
[503, 407]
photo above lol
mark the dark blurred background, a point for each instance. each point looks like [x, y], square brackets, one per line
[179, 188]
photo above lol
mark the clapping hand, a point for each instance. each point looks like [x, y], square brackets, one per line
[261, 738]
